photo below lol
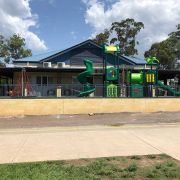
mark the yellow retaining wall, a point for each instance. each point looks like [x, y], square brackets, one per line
[15, 107]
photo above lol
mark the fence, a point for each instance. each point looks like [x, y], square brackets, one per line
[73, 90]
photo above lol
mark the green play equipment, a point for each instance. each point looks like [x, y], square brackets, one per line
[111, 74]
[152, 60]
[168, 88]
[135, 78]
[112, 90]
[152, 77]
[131, 82]
[112, 78]
[142, 83]
[137, 91]
[111, 49]
[136, 81]
[82, 78]
[123, 81]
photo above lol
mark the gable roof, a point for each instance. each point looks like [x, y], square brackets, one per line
[136, 60]
[49, 55]
[52, 54]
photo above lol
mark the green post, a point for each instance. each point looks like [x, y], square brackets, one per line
[118, 69]
[157, 80]
[130, 82]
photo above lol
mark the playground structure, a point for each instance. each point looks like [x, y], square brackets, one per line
[112, 76]
[82, 78]
[124, 82]
[169, 89]
[139, 84]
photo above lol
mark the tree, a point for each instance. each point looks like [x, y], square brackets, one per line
[162, 51]
[126, 32]
[14, 47]
[167, 51]
[102, 38]
[174, 38]
[3, 47]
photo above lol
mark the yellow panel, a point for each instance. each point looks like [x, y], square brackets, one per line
[16, 107]
[111, 49]
[152, 78]
[147, 77]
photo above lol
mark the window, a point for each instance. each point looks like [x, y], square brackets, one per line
[44, 80]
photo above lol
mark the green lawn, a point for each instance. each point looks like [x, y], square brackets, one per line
[160, 167]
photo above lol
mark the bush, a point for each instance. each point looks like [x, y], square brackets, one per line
[131, 168]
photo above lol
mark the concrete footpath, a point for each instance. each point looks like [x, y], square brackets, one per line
[60, 143]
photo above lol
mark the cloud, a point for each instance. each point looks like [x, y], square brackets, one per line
[73, 34]
[159, 17]
[16, 17]
[52, 2]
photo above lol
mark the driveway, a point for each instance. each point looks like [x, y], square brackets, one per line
[60, 143]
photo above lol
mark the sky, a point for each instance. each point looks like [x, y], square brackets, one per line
[49, 25]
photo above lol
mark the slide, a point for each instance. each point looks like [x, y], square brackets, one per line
[82, 78]
[168, 88]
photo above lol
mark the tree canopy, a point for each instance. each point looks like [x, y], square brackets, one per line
[13, 47]
[123, 34]
[167, 51]
[126, 32]
[102, 38]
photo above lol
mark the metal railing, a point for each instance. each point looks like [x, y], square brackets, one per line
[73, 90]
